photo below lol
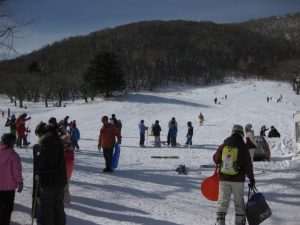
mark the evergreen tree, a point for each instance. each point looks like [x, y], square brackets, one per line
[105, 75]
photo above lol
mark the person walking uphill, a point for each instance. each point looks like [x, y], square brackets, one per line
[51, 169]
[10, 177]
[235, 164]
[107, 140]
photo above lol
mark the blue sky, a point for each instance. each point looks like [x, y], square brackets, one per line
[54, 20]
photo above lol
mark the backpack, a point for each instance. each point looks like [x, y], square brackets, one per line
[229, 165]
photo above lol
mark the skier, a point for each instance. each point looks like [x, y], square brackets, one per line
[142, 129]
[234, 163]
[250, 140]
[172, 121]
[10, 177]
[273, 132]
[201, 119]
[173, 133]
[75, 135]
[189, 134]
[21, 130]
[107, 140]
[156, 129]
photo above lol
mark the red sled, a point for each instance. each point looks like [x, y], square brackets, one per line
[210, 186]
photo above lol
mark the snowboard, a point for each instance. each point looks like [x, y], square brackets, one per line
[116, 156]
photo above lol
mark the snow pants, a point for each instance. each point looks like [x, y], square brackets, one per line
[142, 138]
[226, 188]
[7, 199]
[173, 141]
[52, 206]
[108, 155]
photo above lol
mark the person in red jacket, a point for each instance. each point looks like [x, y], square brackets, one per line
[235, 164]
[107, 141]
[21, 130]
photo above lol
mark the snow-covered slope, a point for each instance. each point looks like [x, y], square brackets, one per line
[149, 191]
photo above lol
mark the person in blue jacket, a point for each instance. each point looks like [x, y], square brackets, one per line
[75, 135]
[173, 133]
[142, 129]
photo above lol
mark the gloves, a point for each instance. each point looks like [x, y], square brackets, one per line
[252, 183]
[20, 188]
[99, 147]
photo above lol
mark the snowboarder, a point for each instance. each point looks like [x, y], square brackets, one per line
[250, 140]
[10, 177]
[173, 133]
[231, 153]
[201, 119]
[156, 129]
[142, 129]
[22, 130]
[172, 121]
[273, 132]
[189, 134]
[107, 140]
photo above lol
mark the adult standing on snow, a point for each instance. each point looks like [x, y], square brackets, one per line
[142, 129]
[234, 163]
[107, 141]
[263, 130]
[173, 133]
[250, 140]
[10, 177]
[21, 130]
[51, 168]
[156, 129]
[75, 135]
[189, 134]
[171, 123]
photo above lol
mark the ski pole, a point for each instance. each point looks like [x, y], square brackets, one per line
[34, 200]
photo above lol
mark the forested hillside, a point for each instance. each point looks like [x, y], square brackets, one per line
[149, 54]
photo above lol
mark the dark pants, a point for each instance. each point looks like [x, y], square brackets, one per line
[108, 155]
[52, 206]
[20, 139]
[142, 139]
[7, 199]
[168, 139]
[75, 144]
[173, 141]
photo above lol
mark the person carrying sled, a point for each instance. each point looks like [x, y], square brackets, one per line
[201, 119]
[250, 140]
[22, 130]
[107, 141]
[10, 177]
[142, 129]
[234, 162]
[172, 122]
[52, 176]
[273, 132]
[156, 129]
[189, 135]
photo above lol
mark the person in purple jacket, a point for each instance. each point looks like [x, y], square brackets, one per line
[10, 177]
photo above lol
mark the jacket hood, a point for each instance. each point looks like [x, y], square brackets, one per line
[5, 153]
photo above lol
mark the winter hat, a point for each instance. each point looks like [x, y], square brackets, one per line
[113, 115]
[8, 140]
[238, 129]
[104, 119]
[248, 127]
[52, 122]
[142, 121]
[41, 128]
[156, 121]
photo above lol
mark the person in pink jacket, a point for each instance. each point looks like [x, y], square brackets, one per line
[10, 177]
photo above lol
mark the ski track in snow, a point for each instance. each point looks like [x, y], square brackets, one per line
[144, 190]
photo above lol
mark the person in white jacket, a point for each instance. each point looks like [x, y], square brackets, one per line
[250, 140]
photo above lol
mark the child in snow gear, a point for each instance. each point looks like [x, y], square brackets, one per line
[156, 129]
[250, 140]
[22, 130]
[233, 183]
[173, 133]
[172, 122]
[107, 140]
[142, 129]
[273, 132]
[189, 134]
[10, 177]
[75, 135]
[201, 119]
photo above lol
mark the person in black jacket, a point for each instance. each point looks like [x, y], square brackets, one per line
[273, 132]
[51, 170]
[156, 129]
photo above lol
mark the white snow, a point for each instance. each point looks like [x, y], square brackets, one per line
[149, 191]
